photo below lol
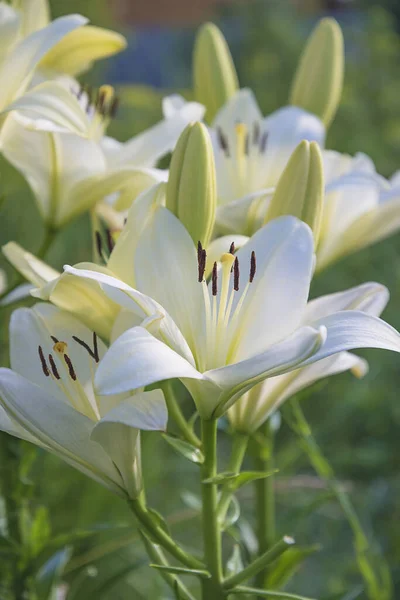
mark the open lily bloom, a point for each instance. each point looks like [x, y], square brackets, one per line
[361, 207]
[250, 323]
[69, 173]
[48, 399]
[257, 405]
[250, 154]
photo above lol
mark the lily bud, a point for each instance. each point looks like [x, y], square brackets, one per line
[191, 190]
[214, 73]
[317, 84]
[300, 189]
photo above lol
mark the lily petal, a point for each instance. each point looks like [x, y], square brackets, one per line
[17, 71]
[32, 268]
[57, 426]
[245, 215]
[35, 15]
[78, 50]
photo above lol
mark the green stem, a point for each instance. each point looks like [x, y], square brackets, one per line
[156, 532]
[265, 500]
[212, 588]
[174, 411]
[239, 447]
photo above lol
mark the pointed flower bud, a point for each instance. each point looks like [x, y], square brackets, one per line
[191, 190]
[318, 82]
[214, 73]
[300, 189]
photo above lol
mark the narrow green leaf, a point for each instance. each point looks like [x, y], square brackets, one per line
[234, 564]
[182, 571]
[49, 575]
[285, 567]
[241, 589]
[185, 449]
[237, 480]
[159, 518]
[232, 514]
[40, 531]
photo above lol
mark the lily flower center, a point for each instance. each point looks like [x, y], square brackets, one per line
[100, 105]
[223, 306]
[61, 369]
[243, 153]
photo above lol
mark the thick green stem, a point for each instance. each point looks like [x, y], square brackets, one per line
[174, 411]
[156, 532]
[265, 500]
[239, 447]
[212, 588]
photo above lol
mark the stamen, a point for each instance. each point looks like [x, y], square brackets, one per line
[114, 107]
[236, 274]
[71, 369]
[256, 133]
[55, 340]
[201, 261]
[110, 241]
[54, 367]
[93, 353]
[252, 266]
[223, 142]
[246, 144]
[214, 280]
[60, 347]
[263, 143]
[100, 103]
[242, 138]
[45, 368]
[99, 243]
[232, 248]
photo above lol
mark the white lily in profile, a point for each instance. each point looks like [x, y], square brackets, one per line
[257, 405]
[69, 173]
[360, 209]
[250, 154]
[249, 323]
[48, 399]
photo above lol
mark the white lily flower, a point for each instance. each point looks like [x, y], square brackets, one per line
[32, 44]
[250, 323]
[257, 405]
[48, 399]
[361, 207]
[250, 154]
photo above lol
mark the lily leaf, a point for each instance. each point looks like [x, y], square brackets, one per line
[49, 576]
[287, 564]
[187, 450]
[234, 564]
[241, 589]
[182, 571]
[237, 480]
[232, 514]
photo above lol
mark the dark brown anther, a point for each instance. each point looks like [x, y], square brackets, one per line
[45, 368]
[110, 241]
[263, 142]
[53, 366]
[93, 353]
[223, 142]
[99, 243]
[71, 369]
[114, 107]
[201, 261]
[246, 145]
[256, 133]
[55, 340]
[199, 251]
[232, 248]
[236, 274]
[101, 102]
[252, 266]
[214, 280]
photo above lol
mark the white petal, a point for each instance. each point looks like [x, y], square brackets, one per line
[146, 148]
[9, 28]
[347, 330]
[35, 15]
[17, 71]
[20, 293]
[241, 108]
[245, 215]
[122, 258]
[276, 299]
[12, 428]
[32, 268]
[50, 107]
[137, 359]
[166, 269]
[145, 410]
[237, 378]
[286, 128]
[140, 304]
[368, 297]
[57, 426]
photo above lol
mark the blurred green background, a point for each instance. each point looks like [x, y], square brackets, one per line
[357, 423]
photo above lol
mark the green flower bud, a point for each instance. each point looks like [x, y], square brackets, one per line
[300, 189]
[317, 84]
[191, 190]
[214, 73]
